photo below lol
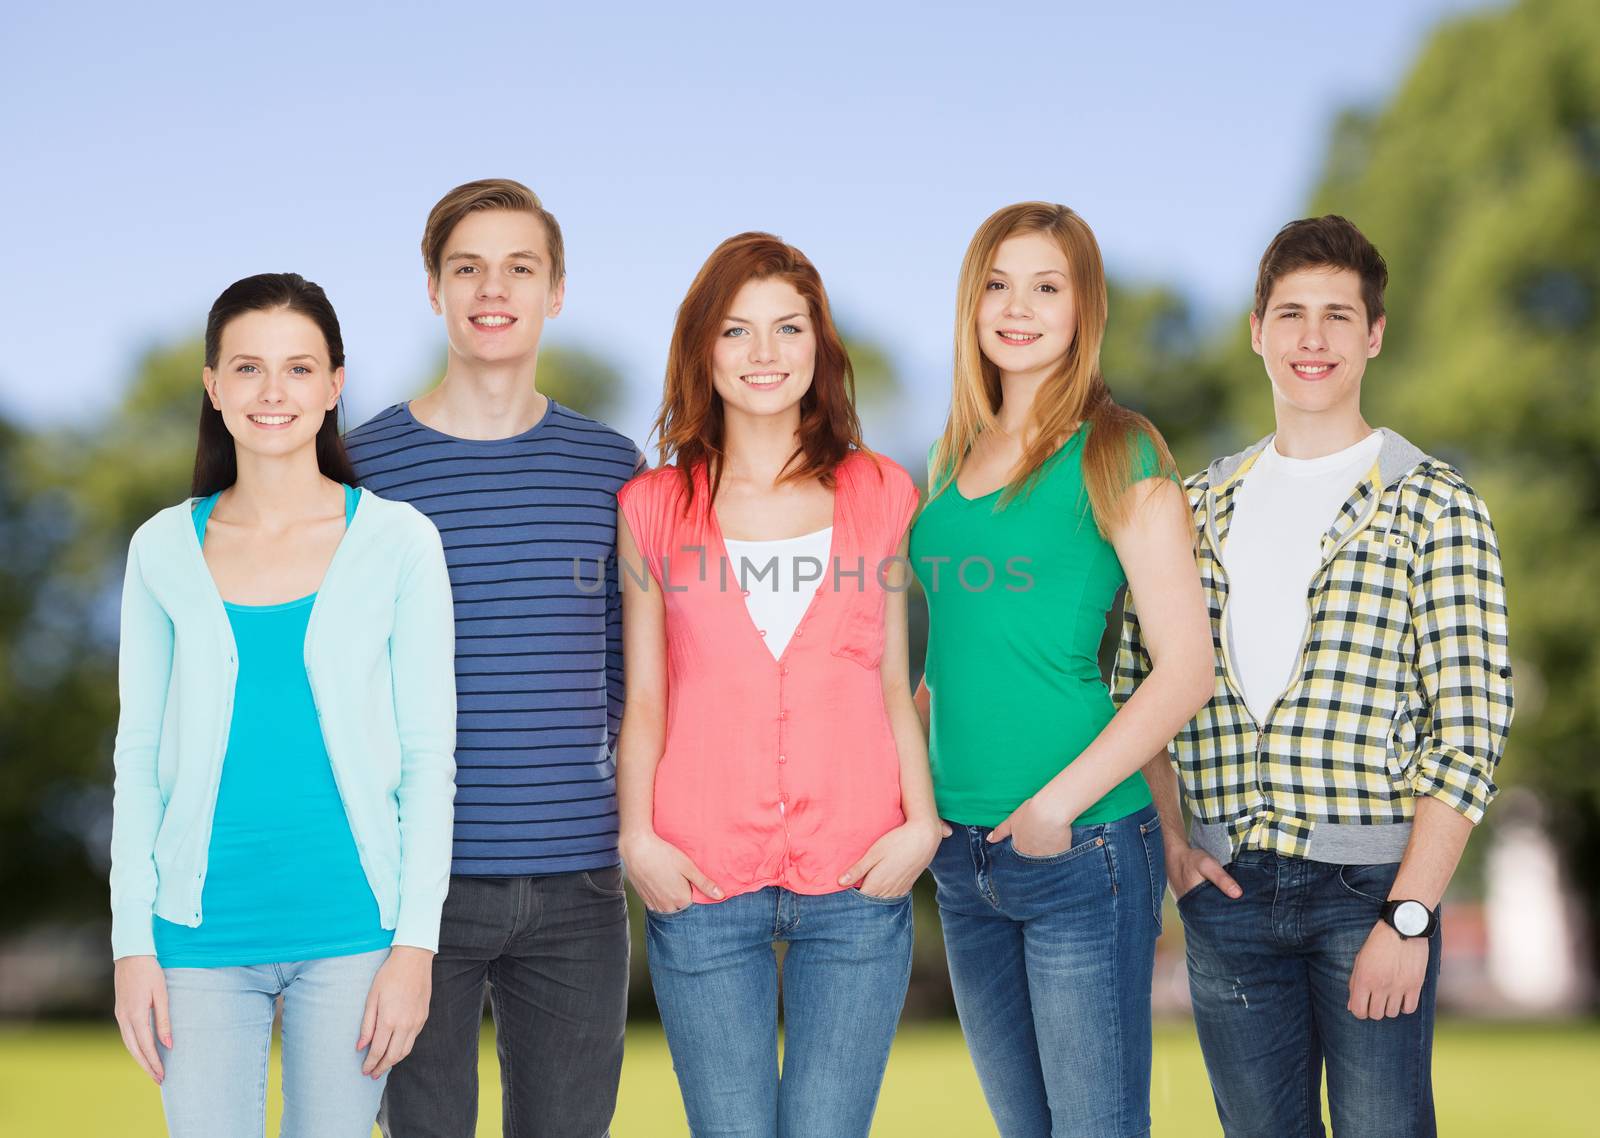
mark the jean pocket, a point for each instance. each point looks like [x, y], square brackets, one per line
[651, 913]
[1369, 882]
[898, 899]
[606, 882]
[1193, 891]
[1077, 849]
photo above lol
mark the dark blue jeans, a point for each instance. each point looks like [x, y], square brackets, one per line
[1051, 962]
[1270, 978]
[715, 972]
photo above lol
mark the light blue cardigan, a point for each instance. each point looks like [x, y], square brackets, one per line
[380, 655]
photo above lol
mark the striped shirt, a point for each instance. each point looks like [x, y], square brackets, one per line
[530, 533]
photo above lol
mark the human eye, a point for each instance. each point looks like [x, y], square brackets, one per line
[299, 369]
[732, 332]
[993, 285]
[245, 369]
[1337, 316]
[522, 269]
[792, 329]
[463, 270]
[1048, 288]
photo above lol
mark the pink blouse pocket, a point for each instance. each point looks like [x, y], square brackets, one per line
[860, 636]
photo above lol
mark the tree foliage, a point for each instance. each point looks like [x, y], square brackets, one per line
[68, 503]
[1157, 360]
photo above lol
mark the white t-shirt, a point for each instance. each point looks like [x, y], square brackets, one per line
[777, 600]
[1274, 547]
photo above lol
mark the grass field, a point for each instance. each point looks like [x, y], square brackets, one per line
[76, 1082]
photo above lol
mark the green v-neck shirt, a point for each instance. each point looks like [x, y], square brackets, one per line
[1017, 603]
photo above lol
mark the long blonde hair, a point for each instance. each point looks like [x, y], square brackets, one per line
[1075, 394]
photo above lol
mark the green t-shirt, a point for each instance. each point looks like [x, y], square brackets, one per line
[1017, 604]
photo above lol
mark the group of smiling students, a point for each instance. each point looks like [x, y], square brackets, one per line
[381, 749]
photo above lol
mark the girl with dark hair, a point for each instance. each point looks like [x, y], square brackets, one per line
[772, 777]
[284, 757]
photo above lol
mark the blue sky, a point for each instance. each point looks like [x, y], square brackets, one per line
[154, 153]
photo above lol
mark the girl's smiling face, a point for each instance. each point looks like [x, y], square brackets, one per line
[273, 381]
[1026, 317]
[765, 355]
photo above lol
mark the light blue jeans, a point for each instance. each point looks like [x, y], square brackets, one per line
[715, 972]
[216, 1069]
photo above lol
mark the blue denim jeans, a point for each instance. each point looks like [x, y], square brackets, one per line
[715, 972]
[1051, 961]
[216, 1069]
[1270, 978]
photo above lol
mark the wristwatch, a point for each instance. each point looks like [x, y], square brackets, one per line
[1410, 918]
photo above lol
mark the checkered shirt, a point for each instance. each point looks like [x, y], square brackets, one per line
[1403, 684]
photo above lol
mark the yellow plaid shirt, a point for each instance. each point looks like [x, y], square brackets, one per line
[1403, 684]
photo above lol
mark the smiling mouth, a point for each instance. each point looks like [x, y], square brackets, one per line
[1311, 370]
[1018, 337]
[765, 380]
[272, 420]
[494, 320]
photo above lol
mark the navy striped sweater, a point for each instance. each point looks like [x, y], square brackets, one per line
[530, 532]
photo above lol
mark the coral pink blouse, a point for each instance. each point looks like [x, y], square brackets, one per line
[775, 772]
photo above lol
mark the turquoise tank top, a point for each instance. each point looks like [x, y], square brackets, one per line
[283, 878]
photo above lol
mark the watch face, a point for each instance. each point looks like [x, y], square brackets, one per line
[1411, 918]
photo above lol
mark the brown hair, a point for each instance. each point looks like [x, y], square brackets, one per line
[1075, 394]
[489, 193]
[1329, 241]
[690, 425]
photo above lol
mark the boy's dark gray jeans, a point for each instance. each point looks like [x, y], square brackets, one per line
[553, 953]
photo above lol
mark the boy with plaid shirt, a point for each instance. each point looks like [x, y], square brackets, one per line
[1362, 702]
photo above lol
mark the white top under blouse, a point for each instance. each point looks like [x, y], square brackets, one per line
[779, 578]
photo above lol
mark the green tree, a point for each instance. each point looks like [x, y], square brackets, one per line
[580, 379]
[1157, 360]
[877, 380]
[52, 701]
[68, 502]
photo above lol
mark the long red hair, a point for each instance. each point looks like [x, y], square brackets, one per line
[690, 424]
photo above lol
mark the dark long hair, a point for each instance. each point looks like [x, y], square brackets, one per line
[216, 462]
